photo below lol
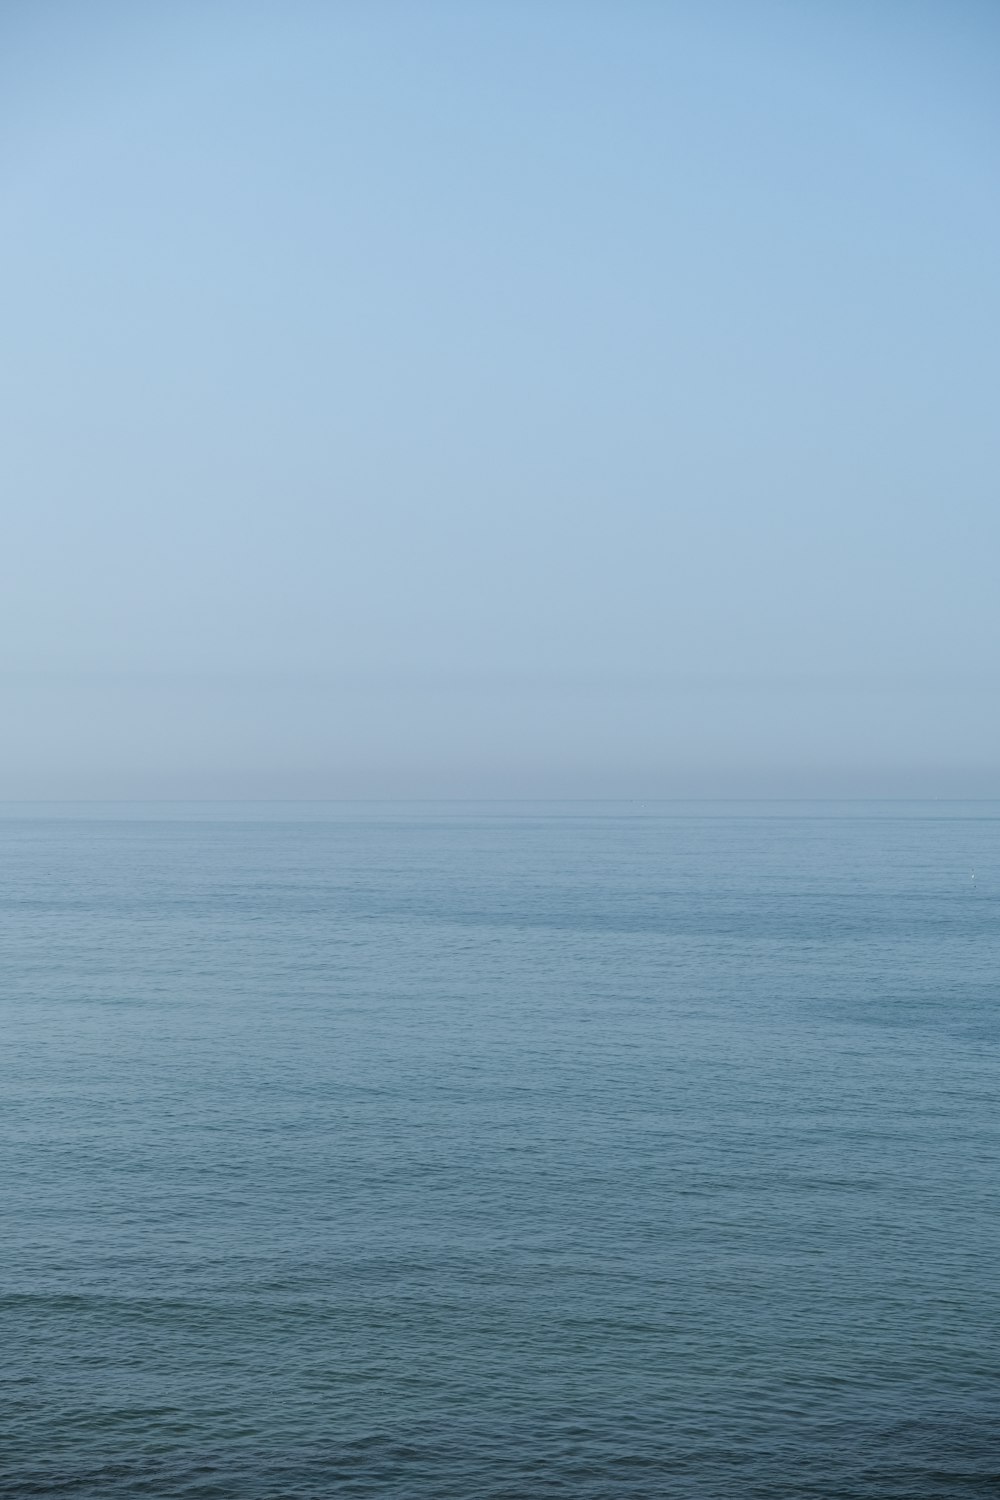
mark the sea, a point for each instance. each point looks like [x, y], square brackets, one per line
[492, 1151]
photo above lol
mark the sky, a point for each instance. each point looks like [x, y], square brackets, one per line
[529, 398]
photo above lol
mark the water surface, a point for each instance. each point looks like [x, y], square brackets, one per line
[485, 1150]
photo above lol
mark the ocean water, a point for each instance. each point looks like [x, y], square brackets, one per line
[485, 1150]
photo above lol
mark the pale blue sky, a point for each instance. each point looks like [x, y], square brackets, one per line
[500, 398]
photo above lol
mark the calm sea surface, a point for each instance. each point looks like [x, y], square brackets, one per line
[488, 1150]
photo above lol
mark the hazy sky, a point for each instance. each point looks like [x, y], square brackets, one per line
[500, 398]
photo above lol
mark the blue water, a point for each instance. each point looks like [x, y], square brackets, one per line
[608, 1150]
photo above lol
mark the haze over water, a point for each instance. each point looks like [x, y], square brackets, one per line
[491, 1150]
[449, 400]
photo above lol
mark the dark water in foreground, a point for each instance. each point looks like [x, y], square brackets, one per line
[488, 1151]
